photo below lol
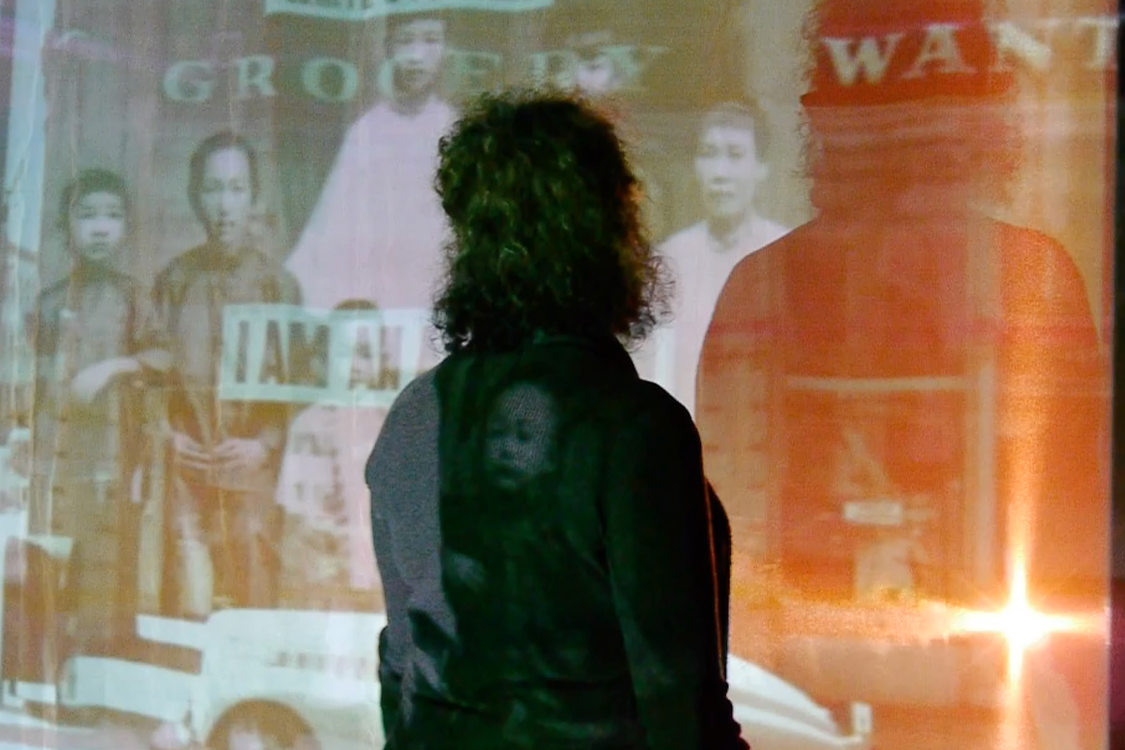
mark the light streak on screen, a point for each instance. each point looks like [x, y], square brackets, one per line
[891, 228]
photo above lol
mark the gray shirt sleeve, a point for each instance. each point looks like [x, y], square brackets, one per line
[403, 477]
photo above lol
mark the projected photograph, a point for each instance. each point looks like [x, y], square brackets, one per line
[889, 228]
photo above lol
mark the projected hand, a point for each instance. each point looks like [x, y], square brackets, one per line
[189, 454]
[240, 456]
[90, 381]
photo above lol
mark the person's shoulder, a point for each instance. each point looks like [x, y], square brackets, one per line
[645, 409]
[124, 283]
[56, 293]
[130, 291]
[415, 410]
[1036, 268]
[181, 266]
[444, 112]
[50, 304]
[643, 418]
[381, 120]
[1018, 244]
[276, 267]
[777, 241]
[412, 422]
[274, 274]
[686, 240]
[48, 309]
[376, 120]
[190, 257]
[652, 398]
[266, 264]
[422, 389]
[766, 231]
[371, 117]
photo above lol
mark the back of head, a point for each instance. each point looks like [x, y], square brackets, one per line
[546, 231]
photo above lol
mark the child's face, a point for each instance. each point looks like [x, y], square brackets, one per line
[97, 226]
[520, 436]
[596, 75]
[417, 48]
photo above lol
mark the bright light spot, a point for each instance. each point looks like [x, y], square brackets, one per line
[1021, 624]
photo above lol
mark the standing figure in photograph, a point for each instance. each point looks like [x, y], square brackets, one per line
[729, 168]
[903, 397]
[96, 349]
[376, 230]
[903, 401]
[224, 454]
[327, 558]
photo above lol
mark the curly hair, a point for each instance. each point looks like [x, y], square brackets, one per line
[547, 236]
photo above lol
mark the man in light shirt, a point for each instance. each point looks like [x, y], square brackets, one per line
[376, 231]
[729, 168]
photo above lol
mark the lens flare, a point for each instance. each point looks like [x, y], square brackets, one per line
[1021, 625]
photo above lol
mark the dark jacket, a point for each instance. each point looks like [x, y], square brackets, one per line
[190, 295]
[548, 545]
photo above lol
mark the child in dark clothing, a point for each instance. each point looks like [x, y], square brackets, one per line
[94, 349]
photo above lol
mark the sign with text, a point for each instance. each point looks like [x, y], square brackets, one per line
[292, 354]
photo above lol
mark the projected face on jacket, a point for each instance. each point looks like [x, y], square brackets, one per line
[520, 436]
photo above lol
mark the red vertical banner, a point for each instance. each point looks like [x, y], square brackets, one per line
[927, 358]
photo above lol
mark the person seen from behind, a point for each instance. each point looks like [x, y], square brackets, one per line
[554, 566]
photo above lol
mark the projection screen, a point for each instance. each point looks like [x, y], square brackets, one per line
[891, 228]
